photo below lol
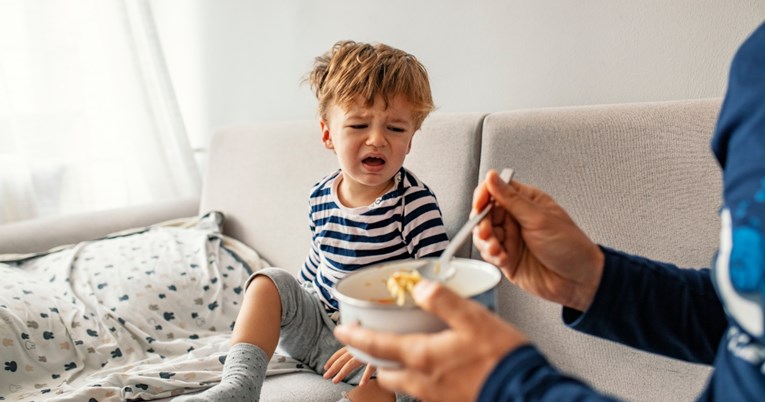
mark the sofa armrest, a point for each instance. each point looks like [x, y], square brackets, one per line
[41, 234]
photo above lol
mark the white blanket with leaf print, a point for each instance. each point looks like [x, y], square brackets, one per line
[145, 315]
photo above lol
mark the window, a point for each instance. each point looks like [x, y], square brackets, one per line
[88, 118]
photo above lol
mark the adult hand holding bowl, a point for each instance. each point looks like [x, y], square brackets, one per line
[450, 365]
[365, 300]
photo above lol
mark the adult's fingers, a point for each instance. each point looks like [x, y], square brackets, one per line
[410, 382]
[481, 195]
[455, 310]
[424, 385]
[515, 197]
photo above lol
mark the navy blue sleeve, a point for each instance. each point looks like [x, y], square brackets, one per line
[655, 307]
[652, 306]
[525, 375]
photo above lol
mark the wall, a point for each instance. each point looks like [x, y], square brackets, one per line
[238, 61]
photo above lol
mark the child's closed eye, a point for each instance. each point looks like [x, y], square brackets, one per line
[396, 129]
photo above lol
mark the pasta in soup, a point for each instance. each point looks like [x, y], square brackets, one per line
[401, 283]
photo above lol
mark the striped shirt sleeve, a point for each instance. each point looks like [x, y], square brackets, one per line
[423, 230]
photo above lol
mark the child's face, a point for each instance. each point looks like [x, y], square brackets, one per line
[370, 142]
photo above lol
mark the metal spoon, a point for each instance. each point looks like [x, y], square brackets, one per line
[441, 270]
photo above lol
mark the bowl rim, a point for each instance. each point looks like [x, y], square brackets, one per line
[409, 306]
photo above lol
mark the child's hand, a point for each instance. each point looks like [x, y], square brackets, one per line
[342, 363]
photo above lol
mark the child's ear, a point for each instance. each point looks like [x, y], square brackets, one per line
[326, 139]
[409, 148]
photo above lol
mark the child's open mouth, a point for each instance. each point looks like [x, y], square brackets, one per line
[373, 161]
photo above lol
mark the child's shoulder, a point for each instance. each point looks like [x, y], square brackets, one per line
[411, 188]
[408, 181]
[324, 185]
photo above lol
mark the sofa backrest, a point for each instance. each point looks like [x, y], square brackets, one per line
[260, 175]
[636, 177]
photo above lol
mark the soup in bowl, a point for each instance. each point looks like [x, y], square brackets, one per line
[364, 298]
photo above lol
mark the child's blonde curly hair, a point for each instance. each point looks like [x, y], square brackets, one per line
[351, 70]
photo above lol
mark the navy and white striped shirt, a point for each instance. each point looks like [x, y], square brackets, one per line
[403, 223]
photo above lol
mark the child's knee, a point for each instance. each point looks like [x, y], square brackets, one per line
[276, 277]
[262, 288]
[272, 285]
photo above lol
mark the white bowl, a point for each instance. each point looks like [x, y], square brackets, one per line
[364, 299]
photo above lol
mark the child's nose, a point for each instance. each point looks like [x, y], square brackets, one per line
[376, 138]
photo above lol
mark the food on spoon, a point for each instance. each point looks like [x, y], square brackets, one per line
[401, 283]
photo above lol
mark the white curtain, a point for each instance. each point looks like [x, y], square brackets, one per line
[88, 117]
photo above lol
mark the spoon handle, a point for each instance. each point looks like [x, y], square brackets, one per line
[467, 229]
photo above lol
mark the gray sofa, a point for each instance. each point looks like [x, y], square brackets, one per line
[637, 177]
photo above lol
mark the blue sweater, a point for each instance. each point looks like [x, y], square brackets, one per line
[681, 313]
